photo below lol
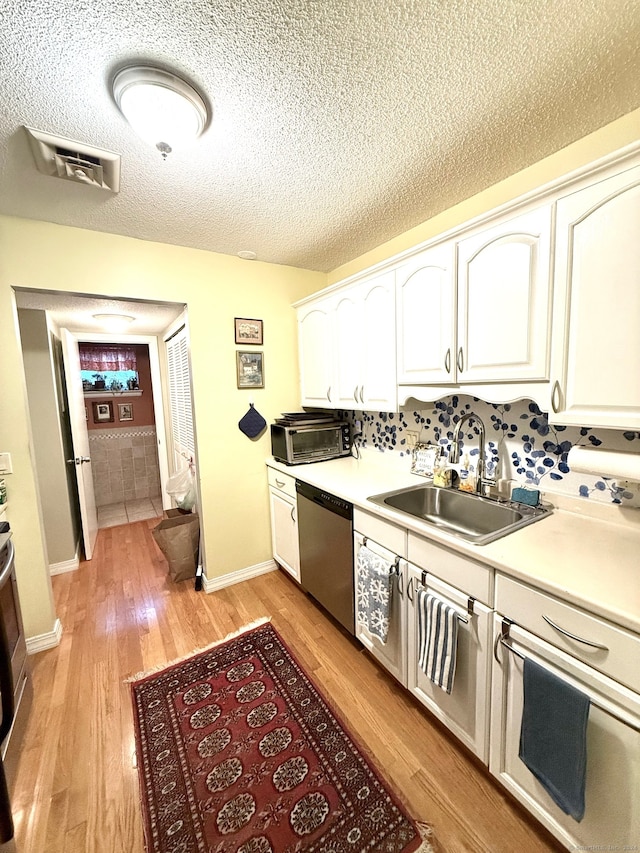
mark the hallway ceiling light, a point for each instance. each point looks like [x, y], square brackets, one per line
[114, 322]
[162, 108]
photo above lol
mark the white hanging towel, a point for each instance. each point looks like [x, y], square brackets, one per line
[437, 639]
[373, 593]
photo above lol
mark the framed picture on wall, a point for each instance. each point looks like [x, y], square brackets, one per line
[250, 369]
[248, 331]
[125, 411]
[103, 412]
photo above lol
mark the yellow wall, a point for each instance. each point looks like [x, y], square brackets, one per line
[624, 131]
[216, 288]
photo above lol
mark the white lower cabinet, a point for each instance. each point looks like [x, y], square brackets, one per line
[284, 522]
[612, 806]
[465, 711]
[392, 653]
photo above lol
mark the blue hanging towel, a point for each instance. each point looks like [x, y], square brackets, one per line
[252, 423]
[553, 737]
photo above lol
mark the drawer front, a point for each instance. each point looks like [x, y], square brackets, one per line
[284, 482]
[527, 607]
[389, 535]
[472, 578]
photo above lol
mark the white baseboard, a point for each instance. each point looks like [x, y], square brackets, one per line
[45, 641]
[64, 566]
[213, 584]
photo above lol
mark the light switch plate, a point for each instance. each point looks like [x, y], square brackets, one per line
[5, 463]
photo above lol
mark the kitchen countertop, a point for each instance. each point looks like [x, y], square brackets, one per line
[587, 554]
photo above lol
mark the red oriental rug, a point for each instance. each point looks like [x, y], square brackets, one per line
[239, 753]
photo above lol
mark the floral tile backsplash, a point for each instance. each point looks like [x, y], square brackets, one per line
[521, 444]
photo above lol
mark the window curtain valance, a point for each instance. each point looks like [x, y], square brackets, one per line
[101, 357]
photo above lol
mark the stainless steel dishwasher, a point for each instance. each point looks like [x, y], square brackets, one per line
[325, 533]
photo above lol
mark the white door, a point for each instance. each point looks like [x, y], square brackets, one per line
[596, 351]
[425, 318]
[378, 389]
[465, 711]
[316, 357]
[347, 350]
[80, 439]
[504, 288]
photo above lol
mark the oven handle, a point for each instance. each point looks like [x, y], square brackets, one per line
[8, 568]
[6, 678]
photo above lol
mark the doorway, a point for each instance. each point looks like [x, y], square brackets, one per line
[123, 439]
[75, 312]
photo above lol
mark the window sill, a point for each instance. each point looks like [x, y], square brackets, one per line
[107, 394]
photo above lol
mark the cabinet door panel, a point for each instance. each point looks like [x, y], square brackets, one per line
[284, 533]
[504, 299]
[392, 654]
[425, 310]
[465, 709]
[598, 305]
[315, 346]
[347, 349]
[612, 809]
[378, 355]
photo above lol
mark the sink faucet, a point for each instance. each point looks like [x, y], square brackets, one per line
[483, 484]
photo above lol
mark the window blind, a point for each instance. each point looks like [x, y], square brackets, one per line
[180, 395]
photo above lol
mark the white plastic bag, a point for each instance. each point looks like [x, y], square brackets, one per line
[182, 488]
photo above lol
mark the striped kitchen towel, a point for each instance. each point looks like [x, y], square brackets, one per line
[437, 639]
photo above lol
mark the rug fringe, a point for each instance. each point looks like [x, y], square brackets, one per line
[426, 834]
[147, 672]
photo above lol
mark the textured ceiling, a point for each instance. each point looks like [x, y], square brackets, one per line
[337, 124]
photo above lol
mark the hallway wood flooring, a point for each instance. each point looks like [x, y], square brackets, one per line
[77, 786]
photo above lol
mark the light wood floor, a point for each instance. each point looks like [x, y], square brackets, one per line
[77, 787]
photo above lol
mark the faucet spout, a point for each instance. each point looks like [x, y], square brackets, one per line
[454, 455]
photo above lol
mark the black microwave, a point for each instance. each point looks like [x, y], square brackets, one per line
[295, 445]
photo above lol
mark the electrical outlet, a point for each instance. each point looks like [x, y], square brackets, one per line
[5, 463]
[412, 437]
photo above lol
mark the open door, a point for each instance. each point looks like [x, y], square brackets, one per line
[80, 439]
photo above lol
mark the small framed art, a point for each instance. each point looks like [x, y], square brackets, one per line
[125, 411]
[248, 331]
[250, 369]
[103, 412]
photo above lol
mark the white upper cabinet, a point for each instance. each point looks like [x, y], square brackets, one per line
[425, 293]
[315, 347]
[348, 347]
[378, 390]
[596, 351]
[504, 290]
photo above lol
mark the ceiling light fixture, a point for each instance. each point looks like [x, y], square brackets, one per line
[162, 108]
[114, 322]
[247, 255]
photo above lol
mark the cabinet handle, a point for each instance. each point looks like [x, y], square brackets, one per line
[447, 361]
[279, 483]
[293, 514]
[460, 360]
[410, 589]
[555, 397]
[400, 587]
[355, 393]
[574, 636]
[362, 393]
[329, 393]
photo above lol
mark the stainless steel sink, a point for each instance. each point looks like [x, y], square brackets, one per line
[469, 516]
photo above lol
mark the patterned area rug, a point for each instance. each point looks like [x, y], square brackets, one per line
[239, 753]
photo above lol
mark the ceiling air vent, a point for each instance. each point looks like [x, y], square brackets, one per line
[75, 161]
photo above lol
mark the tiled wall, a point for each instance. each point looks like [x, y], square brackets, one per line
[124, 464]
[529, 449]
